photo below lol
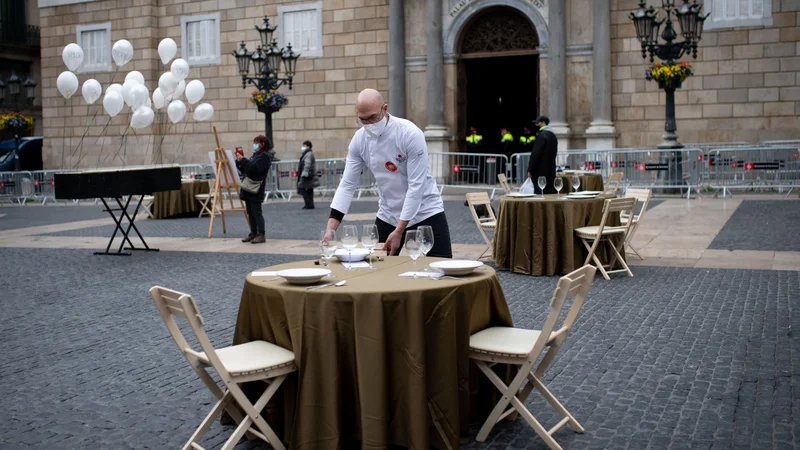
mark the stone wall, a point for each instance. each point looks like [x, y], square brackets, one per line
[746, 85]
[321, 103]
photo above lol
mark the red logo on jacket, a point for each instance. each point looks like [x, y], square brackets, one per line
[391, 167]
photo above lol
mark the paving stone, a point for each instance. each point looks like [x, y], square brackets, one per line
[761, 225]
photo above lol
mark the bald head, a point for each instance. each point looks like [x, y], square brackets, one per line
[370, 106]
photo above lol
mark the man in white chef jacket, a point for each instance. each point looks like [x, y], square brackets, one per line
[394, 150]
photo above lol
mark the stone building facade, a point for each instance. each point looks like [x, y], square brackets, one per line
[447, 65]
[19, 55]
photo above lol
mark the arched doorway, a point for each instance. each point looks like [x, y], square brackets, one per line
[498, 76]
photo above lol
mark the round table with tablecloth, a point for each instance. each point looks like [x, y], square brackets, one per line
[383, 359]
[589, 181]
[179, 203]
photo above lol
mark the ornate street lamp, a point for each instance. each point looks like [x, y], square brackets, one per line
[266, 67]
[691, 21]
[13, 87]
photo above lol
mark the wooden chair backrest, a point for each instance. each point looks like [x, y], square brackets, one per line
[172, 303]
[643, 196]
[480, 198]
[613, 182]
[504, 183]
[575, 284]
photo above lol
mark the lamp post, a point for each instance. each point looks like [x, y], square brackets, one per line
[14, 86]
[645, 19]
[266, 66]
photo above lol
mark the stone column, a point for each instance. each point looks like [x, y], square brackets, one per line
[557, 74]
[436, 133]
[601, 133]
[397, 58]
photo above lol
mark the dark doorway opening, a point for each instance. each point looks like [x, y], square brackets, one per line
[500, 92]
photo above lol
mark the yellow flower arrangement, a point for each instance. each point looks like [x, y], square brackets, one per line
[271, 101]
[670, 75]
[10, 121]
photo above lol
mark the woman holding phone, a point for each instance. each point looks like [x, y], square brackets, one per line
[255, 171]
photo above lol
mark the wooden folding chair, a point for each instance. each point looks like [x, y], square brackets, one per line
[207, 200]
[643, 197]
[613, 183]
[253, 361]
[602, 233]
[486, 223]
[147, 205]
[519, 347]
[504, 183]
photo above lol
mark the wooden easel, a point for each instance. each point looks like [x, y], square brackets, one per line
[224, 170]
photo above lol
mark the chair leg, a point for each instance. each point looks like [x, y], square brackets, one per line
[636, 252]
[593, 257]
[553, 401]
[197, 436]
[621, 259]
[253, 412]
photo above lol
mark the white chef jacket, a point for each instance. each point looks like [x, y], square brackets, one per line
[398, 159]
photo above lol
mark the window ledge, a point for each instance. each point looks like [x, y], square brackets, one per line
[738, 23]
[95, 69]
[193, 62]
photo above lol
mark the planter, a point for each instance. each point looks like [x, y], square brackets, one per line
[265, 110]
[674, 85]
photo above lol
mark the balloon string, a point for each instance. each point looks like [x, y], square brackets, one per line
[124, 136]
[86, 131]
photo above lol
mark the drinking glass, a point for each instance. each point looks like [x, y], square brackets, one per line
[425, 239]
[576, 182]
[349, 242]
[542, 182]
[369, 239]
[558, 183]
[327, 246]
[413, 248]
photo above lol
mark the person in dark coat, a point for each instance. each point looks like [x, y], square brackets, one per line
[257, 169]
[307, 175]
[543, 156]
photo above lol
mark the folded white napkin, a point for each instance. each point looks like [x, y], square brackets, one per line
[422, 274]
[263, 274]
[357, 265]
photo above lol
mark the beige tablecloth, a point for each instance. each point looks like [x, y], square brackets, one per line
[589, 182]
[537, 236]
[382, 360]
[179, 203]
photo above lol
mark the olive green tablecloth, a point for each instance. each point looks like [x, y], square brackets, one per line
[179, 203]
[537, 236]
[589, 182]
[383, 360]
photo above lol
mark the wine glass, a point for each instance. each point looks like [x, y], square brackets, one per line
[327, 246]
[542, 182]
[576, 182]
[413, 248]
[425, 239]
[558, 183]
[369, 239]
[349, 242]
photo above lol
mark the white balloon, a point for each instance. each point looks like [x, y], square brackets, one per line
[122, 52]
[113, 103]
[72, 56]
[167, 49]
[91, 90]
[180, 69]
[176, 111]
[116, 87]
[139, 96]
[67, 84]
[203, 112]
[195, 91]
[179, 90]
[136, 76]
[167, 83]
[126, 91]
[142, 117]
[158, 99]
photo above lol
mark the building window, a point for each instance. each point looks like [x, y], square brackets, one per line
[301, 26]
[200, 39]
[739, 13]
[95, 40]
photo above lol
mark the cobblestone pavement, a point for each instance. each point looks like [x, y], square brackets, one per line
[761, 225]
[32, 216]
[672, 358]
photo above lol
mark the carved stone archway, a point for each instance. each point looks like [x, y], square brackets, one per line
[499, 30]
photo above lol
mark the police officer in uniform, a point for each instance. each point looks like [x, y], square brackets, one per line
[394, 150]
[525, 146]
[543, 156]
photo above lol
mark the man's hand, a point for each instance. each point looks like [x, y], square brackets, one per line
[392, 244]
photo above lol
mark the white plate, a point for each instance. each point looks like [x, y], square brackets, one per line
[456, 267]
[519, 195]
[590, 192]
[303, 276]
[358, 254]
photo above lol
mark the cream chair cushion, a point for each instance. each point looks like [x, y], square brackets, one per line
[591, 232]
[504, 340]
[253, 356]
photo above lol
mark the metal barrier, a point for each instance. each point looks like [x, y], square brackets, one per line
[787, 143]
[756, 168]
[16, 187]
[468, 170]
[44, 185]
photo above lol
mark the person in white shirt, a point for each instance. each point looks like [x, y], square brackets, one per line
[394, 150]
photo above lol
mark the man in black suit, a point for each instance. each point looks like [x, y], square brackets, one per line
[543, 156]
